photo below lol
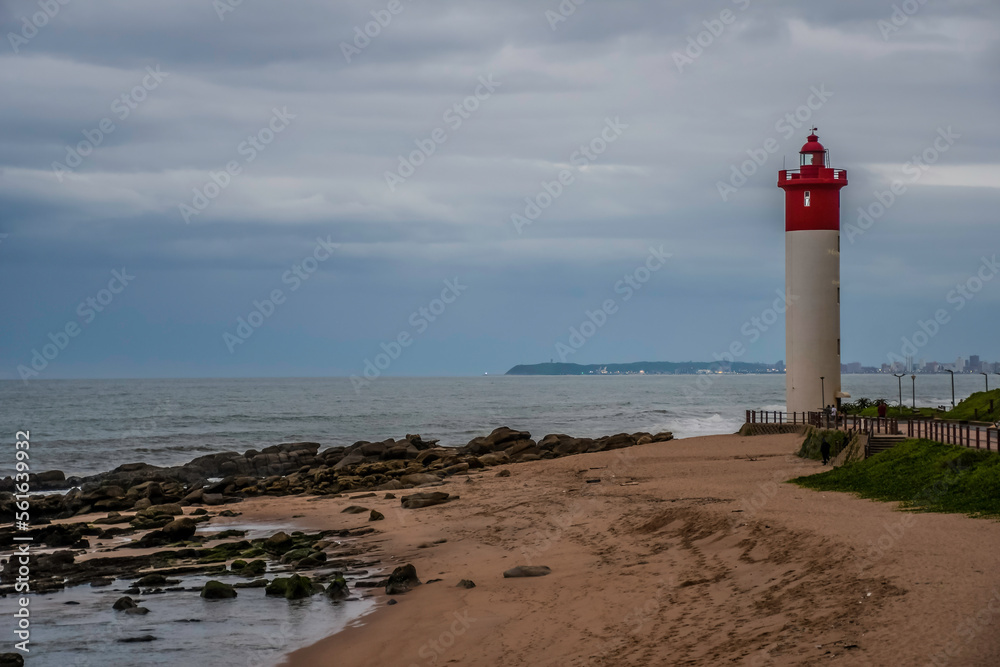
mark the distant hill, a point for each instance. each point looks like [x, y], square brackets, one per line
[647, 367]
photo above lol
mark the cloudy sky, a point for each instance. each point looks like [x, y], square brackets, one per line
[180, 164]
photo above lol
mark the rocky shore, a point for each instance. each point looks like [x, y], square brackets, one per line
[150, 526]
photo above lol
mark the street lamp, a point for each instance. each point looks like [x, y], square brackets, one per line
[900, 377]
[914, 379]
[987, 376]
[822, 391]
[948, 370]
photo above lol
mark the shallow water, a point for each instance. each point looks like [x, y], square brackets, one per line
[252, 629]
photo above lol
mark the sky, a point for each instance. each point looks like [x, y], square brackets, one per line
[216, 188]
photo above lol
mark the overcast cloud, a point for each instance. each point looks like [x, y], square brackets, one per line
[310, 118]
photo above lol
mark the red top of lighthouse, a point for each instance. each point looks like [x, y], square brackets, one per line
[812, 192]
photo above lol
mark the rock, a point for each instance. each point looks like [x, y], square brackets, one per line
[527, 571]
[237, 564]
[254, 568]
[418, 500]
[277, 587]
[664, 436]
[101, 581]
[390, 496]
[493, 459]
[137, 611]
[139, 639]
[230, 513]
[391, 602]
[152, 580]
[123, 603]
[376, 516]
[298, 587]
[338, 590]
[212, 499]
[278, 543]
[466, 583]
[455, 469]
[402, 579]
[354, 509]
[503, 473]
[177, 530]
[11, 660]
[419, 479]
[216, 590]
[201, 511]
[173, 509]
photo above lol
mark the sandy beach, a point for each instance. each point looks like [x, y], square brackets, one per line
[691, 552]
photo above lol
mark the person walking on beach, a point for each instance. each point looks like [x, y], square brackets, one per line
[824, 450]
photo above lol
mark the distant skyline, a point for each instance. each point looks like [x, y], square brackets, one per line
[457, 188]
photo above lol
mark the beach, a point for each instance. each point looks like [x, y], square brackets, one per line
[691, 552]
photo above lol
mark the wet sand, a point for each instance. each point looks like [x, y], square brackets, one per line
[686, 552]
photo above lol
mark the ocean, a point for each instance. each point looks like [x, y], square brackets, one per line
[86, 426]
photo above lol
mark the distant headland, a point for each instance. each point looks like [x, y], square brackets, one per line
[646, 368]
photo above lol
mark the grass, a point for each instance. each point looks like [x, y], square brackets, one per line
[978, 401]
[811, 445]
[975, 407]
[922, 475]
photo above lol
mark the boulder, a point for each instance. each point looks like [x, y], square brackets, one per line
[216, 590]
[418, 500]
[419, 479]
[338, 590]
[376, 516]
[298, 587]
[466, 583]
[278, 543]
[123, 603]
[527, 571]
[137, 611]
[354, 509]
[11, 660]
[402, 579]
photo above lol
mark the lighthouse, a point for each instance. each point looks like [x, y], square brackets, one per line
[812, 278]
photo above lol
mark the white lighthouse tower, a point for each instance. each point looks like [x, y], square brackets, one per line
[812, 278]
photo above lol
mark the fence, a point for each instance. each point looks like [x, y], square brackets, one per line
[952, 433]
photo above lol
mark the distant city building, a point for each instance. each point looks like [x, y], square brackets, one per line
[974, 363]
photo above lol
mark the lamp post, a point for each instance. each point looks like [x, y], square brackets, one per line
[914, 382]
[952, 387]
[987, 376]
[899, 377]
[822, 391]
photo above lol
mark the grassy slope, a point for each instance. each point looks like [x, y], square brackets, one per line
[964, 411]
[923, 475]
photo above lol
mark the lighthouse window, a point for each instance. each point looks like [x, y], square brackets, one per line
[807, 198]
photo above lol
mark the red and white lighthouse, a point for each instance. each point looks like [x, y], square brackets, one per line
[812, 278]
